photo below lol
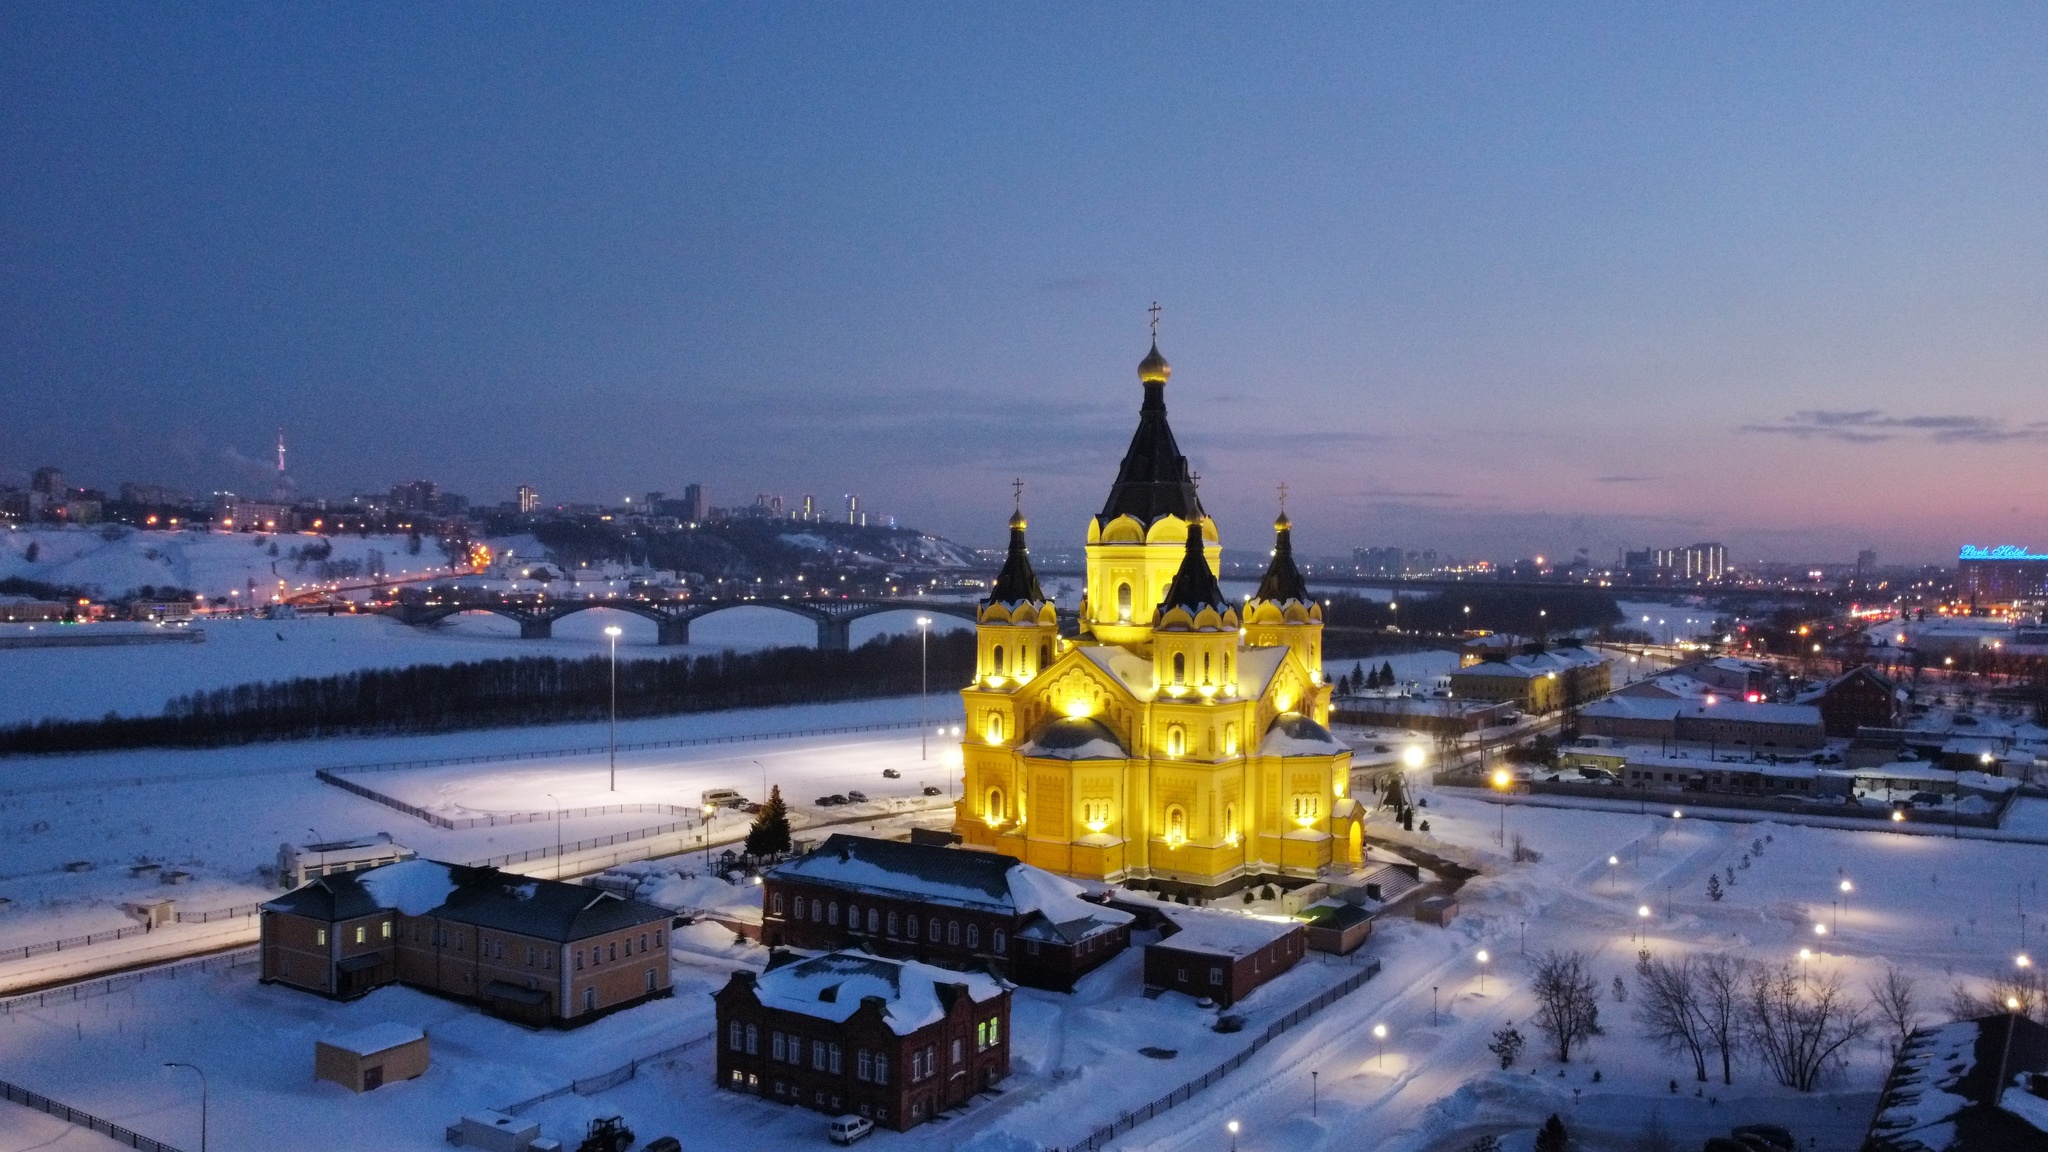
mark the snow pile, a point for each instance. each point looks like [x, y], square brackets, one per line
[414, 887]
[1057, 898]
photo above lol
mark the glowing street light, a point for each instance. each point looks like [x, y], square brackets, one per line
[1482, 958]
[1232, 1126]
[1379, 1032]
[2022, 961]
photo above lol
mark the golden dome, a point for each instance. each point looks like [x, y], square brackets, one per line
[1283, 523]
[1017, 521]
[1154, 369]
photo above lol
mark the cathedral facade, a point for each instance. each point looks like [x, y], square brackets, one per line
[1177, 738]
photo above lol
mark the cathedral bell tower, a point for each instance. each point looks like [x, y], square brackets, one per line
[1017, 628]
[1135, 544]
[1282, 614]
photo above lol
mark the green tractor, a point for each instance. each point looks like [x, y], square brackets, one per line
[607, 1134]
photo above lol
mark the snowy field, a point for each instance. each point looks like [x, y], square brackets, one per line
[221, 814]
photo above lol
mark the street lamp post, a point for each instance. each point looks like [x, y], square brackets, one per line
[558, 832]
[924, 686]
[202, 1096]
[1483, 958]
[1432, 1005]
[1379, 1033]
[613, 633]
[1313, 1097]
[1232, 1126]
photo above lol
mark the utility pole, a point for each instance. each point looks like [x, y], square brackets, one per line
[613, 633]
[924, 686]
[202, 1096]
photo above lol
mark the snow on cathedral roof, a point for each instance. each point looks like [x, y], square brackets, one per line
[1293, 734]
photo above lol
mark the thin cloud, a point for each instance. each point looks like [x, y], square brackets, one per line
[1623, 479]
[1873, 426]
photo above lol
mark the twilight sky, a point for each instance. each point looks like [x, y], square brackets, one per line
[1483, 278]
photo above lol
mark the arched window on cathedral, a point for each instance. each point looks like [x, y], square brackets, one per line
[1206, 678]
[1230, 739]
[1226, 668]
[1044, 657]
[1176, 741]
[1176, 825]
[996, 661]
[1123, 602]
[995, 728]
[994, 807]
[1180, 668]
[1230, 823]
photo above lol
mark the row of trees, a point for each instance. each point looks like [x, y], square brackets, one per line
[1716, 1009]
[1527, 611]
[511, 692]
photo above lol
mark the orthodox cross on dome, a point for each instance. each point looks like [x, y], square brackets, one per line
[1017, 493]
[1283, 497]
[1155, 321]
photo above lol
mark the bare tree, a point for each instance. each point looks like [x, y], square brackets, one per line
[1568, 1001]
[1721, 980]
[1669, 1010]
[1894, 996]
[2023, 995]
[1801, 1027]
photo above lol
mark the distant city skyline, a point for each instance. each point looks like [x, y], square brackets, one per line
[1492, 282]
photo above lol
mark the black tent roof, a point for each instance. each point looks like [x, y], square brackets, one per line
[1153, 480]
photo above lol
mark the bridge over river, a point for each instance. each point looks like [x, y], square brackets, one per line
[537, 614]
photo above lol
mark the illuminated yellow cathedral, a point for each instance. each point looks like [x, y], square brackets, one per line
[1178, 737]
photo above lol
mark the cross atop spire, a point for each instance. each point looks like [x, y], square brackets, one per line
[1283, 497]
[1017, 494]
[1155, 321]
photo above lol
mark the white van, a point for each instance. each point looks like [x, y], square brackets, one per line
[847, 1129]
[723, 798]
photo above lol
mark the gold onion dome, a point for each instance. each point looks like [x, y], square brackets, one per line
[1154, 369]
[1017, 523]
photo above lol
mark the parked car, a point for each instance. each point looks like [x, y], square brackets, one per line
[929, 790]
[858, 797]
[891, 774]
[827, 801]
[847, 1129]
[1382, 748]
[723, 798]
[663, 1144]
[751, 807]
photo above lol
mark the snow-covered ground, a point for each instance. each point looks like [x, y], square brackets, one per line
[221, 814]
[1923, 903]
[116, 560]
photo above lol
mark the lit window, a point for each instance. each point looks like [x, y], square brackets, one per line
[361, 933]
[1176, 741]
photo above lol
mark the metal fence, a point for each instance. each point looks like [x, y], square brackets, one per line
[87, 1120]
[28, 951]
[1181, 1095]
[603, 1081]
[580, 845]
[592, 750]
[87, 989]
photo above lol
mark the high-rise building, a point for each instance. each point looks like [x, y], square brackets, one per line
[529, 499]
[810, 507]
[853, 508]
[49, 481]
[696, 503]
[415, 496]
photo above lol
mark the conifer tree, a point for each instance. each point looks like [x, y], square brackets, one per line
[770, 832]
[1387, 674]
[1552, 1137]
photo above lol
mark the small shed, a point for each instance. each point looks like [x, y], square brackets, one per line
[1437, 910]
[365, 1061]
[1336, 927]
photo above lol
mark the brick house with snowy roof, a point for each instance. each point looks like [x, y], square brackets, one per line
[954, 907]
[1221, 956]
[892, 1040]
[536, 951]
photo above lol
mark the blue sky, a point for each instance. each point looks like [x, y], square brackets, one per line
[1491, 279]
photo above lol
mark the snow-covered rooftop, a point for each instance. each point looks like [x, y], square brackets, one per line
[957, 877]
[1222, 933]
[1293, 734]
[374, 1039]
[832, 987]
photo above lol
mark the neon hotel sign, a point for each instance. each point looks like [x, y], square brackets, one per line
[2001, 552]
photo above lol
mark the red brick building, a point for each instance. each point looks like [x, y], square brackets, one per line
[1222, 956]
[954, 907]
[537, 951]
[895, 1041]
